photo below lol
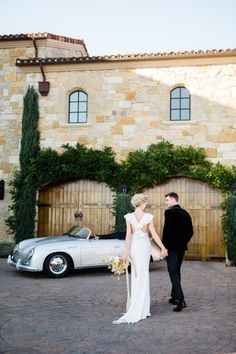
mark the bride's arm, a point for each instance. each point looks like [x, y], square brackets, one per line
[127, 240]
[164, 251]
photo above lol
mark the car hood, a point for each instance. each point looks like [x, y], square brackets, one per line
[35, 242]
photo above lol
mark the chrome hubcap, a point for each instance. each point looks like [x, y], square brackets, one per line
[58, 264]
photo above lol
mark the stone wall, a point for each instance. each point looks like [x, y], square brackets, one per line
[129, 107]
[13, 85]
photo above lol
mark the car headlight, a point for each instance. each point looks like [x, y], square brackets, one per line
[26, 260]
[30, 254]
[15, 248]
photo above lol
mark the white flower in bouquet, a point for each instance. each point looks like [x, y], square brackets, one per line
[117, 266]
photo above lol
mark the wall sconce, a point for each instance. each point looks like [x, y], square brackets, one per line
[125, 188]
[44, 87]
[233, 188]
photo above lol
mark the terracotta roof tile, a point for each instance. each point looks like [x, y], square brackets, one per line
[124, 57]
[39, 35]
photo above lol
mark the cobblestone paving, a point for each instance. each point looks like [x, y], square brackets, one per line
[74, 314]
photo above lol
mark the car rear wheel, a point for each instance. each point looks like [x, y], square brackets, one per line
[57, 265]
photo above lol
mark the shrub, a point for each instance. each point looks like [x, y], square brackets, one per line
[230, 228]
[122, 206]
[6, 248]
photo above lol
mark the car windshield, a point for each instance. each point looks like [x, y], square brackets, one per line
[78, 232]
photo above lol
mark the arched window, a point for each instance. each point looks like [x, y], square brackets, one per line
[78, 107]
[180, 104]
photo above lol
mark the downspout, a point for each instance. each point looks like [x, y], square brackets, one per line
[42, 72]
[35, 47]
[43, 85]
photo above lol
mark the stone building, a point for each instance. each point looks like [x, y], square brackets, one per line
[123, 101]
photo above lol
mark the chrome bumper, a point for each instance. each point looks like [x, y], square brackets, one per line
[20, 266]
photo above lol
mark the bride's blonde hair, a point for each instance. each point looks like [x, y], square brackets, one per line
[138, 199]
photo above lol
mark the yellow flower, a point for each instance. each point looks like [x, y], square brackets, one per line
[117, 266]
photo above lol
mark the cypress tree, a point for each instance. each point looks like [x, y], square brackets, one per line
[122, 206]
[30, 146]
[230, 228]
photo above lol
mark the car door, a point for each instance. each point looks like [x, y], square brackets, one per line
[95, 250]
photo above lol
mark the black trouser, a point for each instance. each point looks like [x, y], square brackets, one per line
[174, 261]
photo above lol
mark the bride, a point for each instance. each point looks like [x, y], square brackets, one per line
[138, 245]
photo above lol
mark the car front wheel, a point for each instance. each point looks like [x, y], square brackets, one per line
[57, 265]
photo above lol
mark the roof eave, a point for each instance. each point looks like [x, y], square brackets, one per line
[125, 58]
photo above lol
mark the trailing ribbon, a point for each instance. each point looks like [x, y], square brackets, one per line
[128, 290]
[127, 282]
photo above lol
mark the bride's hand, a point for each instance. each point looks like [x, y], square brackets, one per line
[125, 257]
[164, 252]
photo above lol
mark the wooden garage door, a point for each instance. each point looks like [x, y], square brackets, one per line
[57, 205]
[203, 203]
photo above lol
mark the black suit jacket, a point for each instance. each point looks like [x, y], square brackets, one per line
[178, 228]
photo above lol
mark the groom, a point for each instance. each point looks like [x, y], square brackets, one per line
[177, 232]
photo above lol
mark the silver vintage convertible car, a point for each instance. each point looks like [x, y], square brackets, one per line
[76, 249]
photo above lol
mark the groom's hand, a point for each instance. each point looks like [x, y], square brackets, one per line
[164, 252]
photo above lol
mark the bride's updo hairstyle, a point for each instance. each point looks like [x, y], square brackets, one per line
[138, 199]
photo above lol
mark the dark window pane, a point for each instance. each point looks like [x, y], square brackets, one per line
[184, 92]
[175, 93]
[175, 114]
[74, 107]
[184, 103]
[73, 118]
[74, 96]
[175, 103]
[185, 114]
[82, 117]
[82, 96]
[78, 107]
[83, 107]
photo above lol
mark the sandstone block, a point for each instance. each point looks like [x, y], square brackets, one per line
[100, 119]
[128, 129]
[227, 137]
[154, 124]
[127, 121]
[117, 129]
[211, 152]
[137, 107]
[11, 76]
[14, 159]
[187, 133]
[130, 96]
[124, 104]
[113, 79]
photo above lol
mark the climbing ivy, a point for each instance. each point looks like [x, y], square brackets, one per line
[140, 169]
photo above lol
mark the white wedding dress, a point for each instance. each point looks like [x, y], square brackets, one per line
[140, 252]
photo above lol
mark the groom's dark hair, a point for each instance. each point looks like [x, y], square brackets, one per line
[173, 195]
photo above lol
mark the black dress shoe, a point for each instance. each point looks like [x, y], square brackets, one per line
[181, 304]
[173, 301]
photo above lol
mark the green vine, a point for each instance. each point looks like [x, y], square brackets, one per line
[140, 169]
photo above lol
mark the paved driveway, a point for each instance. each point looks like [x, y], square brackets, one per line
[74, 314]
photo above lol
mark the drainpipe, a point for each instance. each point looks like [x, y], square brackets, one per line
[35, 47]
[43, 86]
